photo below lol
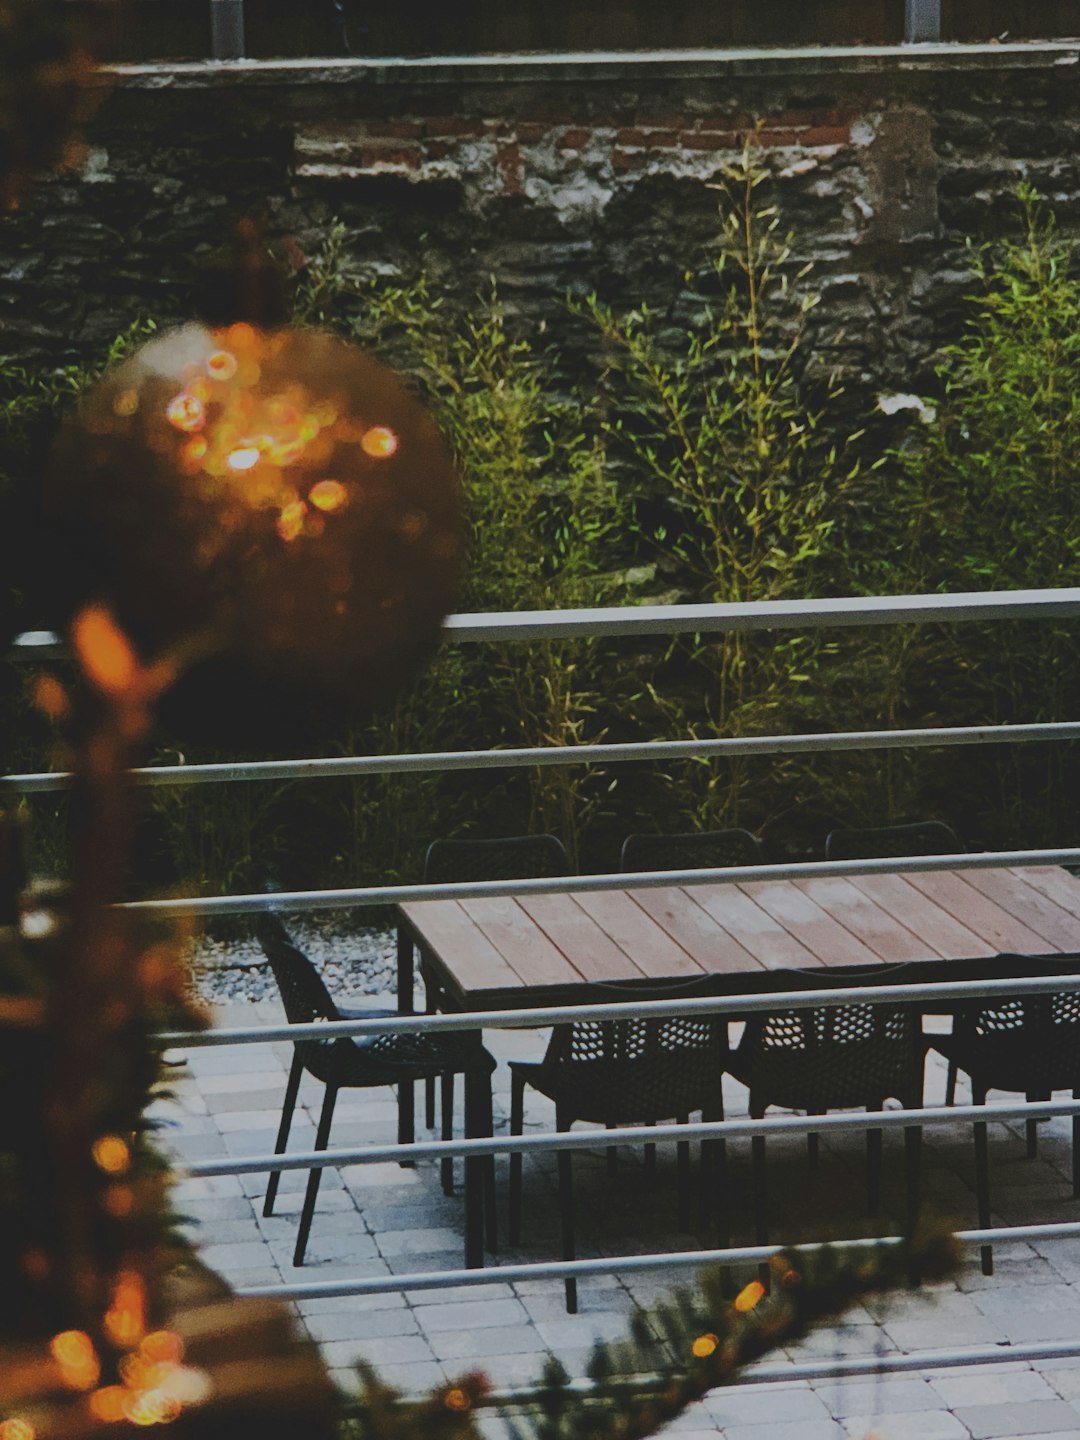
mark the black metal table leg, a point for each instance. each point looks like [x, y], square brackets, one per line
[406, 1096]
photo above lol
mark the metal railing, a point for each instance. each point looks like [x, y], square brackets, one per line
[1064, 603]
[922, 23]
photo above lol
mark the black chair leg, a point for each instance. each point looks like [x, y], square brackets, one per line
[982, 1182]
[950, 1083]
[1076, 1147]
[714, 1177]
[292, 1090]
[873, 1171]
[913, 1159]
[650, 1154]
[682, 1151]
[812, 1145]
[446, 1165]
[1031, 1133]
[566, 1214]
[612, 1154]
[761, 1194]
[491, 1218]
[517, 1124]
[322, 1137]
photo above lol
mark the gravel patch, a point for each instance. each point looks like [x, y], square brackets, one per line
[353, 959]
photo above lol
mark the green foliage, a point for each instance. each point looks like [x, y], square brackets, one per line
[987, 497]
[543, 521]
[734, 477]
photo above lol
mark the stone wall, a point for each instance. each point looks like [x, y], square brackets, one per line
[555, 174]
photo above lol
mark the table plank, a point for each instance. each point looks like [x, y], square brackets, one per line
[652, 949]
[565, 923]
[716, 952]
[1057, 884]
[521, 943]
[857, 912]
[456, 942]
[942, 934]
[801, 917]
[989, 920]
[753, 928]
[1028, 905]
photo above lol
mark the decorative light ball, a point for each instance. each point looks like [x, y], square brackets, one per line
[276, 499]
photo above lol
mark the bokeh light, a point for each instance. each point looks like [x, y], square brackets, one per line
[277, 495]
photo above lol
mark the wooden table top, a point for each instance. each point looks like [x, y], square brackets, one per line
[491, 953]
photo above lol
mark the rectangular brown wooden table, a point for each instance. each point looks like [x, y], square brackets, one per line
[496, 954]
[735, 936]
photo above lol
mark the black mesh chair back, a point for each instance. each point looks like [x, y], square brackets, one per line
[696, 850]
[303, 994]
[625, 1072]
[1029, 1043]
[923, 837]
[837, 1057]
[517, 857]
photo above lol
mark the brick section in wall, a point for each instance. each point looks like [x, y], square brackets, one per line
[497, 157]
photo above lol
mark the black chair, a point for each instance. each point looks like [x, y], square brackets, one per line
[619, 1072]
[517, 857]
[363, 1061]
[834, 1058]
[1029, 1044]
[922, 837]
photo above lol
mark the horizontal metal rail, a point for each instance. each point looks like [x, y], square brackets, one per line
[303, 901]
[747, 615]
[836, 1368]
[625, 1264]
[334, 767]
[620, 620]
[741, 1129]
[732, 1007]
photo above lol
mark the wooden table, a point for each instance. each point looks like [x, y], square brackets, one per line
[735, 937]
[495, 954]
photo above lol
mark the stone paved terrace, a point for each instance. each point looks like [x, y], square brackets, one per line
[380, 1219]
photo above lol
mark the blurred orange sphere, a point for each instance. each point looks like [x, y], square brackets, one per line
[279, 495]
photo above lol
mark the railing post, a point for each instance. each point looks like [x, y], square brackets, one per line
[922, 21]
[227, 29]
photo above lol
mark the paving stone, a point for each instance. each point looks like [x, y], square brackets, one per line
[1036, 1417]
[210, 1210]
[412, 1243]
[326, 1249]
[219, 1232]
[980, 1388]
[472, 1315]
[461, 1345]
[943, 1333]
[345, 1304]
[788, 1430]
[495, 1291]
[379, 1350]
[878, 1394]
[415, 1379]
[245, 1255]
[918, 1425]
[577, 1330]
[360, 1323]
[764, 1404]
[332, 1222]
